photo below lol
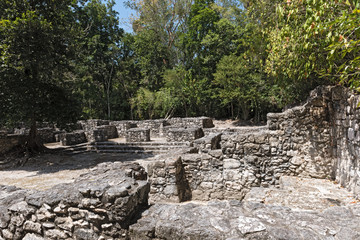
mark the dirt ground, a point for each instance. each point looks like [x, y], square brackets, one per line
[44, 171]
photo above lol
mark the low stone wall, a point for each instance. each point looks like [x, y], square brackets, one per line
[8, 142]
[207, 143]
[137, 135]
[201, 122]
[163, 175]
[156, 126]
[46, 135]
[92, 131]
[183, 134]
[99, 205]
[121, 127]
[67, 139]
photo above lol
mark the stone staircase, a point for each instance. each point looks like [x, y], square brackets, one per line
[120, 147]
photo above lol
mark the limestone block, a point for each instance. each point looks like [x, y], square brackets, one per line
[32, 227]
[32, 236]
[231, 163]
[137, 135]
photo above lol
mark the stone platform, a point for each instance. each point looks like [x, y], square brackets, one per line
[299, 209]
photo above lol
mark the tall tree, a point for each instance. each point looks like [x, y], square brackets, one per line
[36, 49]
[100, 55]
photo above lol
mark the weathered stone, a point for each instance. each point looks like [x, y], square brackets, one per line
[65, 223]
[231, 163]
[22, 208]
[48, 225]
[85, 234]
[32, 236]
[7, 234]
[248, 225]
[17, 220]
[55, 234]
[32, 227]
[4, 217]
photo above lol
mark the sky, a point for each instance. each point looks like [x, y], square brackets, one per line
[124, 14]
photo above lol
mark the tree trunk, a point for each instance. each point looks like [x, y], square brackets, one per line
[33, 144]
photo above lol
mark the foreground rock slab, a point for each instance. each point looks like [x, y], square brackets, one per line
[233, 219]
[300, 208]
[100, 204]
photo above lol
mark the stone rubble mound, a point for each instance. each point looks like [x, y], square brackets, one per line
[98, 205]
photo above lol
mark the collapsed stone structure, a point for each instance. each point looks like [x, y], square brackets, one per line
[319, 139]
[98, 205]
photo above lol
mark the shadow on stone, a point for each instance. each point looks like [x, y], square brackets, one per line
[182, 184]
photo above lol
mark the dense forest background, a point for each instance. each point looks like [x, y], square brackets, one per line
[66, 60]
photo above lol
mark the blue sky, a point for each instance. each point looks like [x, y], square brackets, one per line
[124, 14]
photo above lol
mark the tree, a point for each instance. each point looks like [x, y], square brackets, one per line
[36, 48]
[98, 61]
[153, 59]
[344, 49]
[299, 55]
[165, 18]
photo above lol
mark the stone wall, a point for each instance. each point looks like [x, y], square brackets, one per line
[46, 135]
[98, 205]
[76, 137]
[8, 142]
[156, 126]
[183, 134]
[319, 139]
[137, 135]
[201, 122]
[121, 127]
[345, 112]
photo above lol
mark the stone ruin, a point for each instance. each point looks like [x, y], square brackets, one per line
[235, 171]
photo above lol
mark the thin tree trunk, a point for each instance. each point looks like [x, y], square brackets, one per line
[232, 110]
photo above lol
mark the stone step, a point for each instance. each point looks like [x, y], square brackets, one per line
[142, 143]
[129, 151]
[124, 147]
[113, 147]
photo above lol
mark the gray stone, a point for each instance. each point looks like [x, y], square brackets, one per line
[32, 227]
[231, 163]
[23, 208]
[7, 234]
[250, 225]
[55, 234]
[65, 223]
[85, 234]
[48, 225]
[351, 134]
[4, 217]
[32, 236]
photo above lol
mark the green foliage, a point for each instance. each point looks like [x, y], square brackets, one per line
[304, 47]
[36, 48]
[185, 58]
[98, 57]
[344, 49]
[153, 59]
[241, 84]
[149, 105]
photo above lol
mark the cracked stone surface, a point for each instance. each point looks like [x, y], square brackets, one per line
[300, 209]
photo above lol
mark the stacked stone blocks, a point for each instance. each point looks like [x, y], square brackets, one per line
[99, 205]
